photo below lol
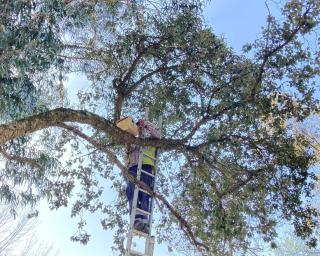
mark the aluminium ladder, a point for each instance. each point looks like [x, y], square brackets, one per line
[149, 240]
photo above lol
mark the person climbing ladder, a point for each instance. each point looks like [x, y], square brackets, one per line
[145, 130]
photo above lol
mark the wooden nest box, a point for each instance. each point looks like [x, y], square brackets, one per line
[127, 124]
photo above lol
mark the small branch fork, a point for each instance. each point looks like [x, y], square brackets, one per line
[268, 53]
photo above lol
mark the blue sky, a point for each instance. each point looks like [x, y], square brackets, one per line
[238, 21]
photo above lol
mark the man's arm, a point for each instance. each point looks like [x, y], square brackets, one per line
[155, 133]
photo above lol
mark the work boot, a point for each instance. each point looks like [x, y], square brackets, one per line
[146, 227]
[138, 224]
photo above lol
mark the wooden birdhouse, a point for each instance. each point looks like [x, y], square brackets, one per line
[127, 124]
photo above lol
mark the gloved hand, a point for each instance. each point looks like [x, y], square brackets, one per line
[141, 123]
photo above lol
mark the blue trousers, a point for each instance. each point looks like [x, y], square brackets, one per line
[143, 199]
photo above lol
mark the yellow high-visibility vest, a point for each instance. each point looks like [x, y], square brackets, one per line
[150, 151]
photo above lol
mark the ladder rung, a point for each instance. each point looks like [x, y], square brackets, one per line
[136, 253]
[140, 233]
[144, 191]
[152, 158]
[147, 173]
[142, 211]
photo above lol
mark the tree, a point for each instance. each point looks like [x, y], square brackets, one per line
[12, 230]
[310, 130]
[229, 164]
[19, 232]
[291, 245]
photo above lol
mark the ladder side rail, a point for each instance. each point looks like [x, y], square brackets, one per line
[150, 241]
[135, 196]
[151, 246]
[134, 204]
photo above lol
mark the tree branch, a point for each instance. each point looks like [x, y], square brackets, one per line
[270, 53]
[122, 92]
[205, 120]
[56, 117]
[23, 160]
[146, 76]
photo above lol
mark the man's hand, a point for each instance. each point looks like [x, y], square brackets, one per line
[141, 123]
[128, 148]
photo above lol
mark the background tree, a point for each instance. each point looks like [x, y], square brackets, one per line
[19, 232]
[310, 130]
[229, 164]
[291, 245]
[13, 231]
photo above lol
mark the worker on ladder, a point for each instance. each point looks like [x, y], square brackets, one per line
[146, 130]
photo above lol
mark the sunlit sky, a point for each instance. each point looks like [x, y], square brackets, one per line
[238, 21]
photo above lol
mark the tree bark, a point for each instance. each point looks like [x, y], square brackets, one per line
[55, 117]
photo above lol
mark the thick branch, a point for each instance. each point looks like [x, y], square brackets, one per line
[136, 61]
[118, 107]
[122, 91]
[58, 116]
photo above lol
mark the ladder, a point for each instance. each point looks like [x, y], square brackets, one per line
[149, 239]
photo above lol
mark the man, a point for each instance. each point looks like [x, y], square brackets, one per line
[146, 130]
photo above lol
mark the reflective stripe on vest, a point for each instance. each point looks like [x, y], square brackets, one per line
[150, 151]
